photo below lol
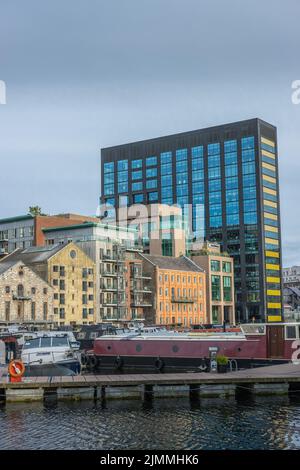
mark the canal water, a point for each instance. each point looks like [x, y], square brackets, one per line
[259, 423]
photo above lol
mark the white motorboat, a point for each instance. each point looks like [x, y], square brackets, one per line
[50, 354]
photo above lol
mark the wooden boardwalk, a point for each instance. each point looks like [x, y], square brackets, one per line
[284, 373]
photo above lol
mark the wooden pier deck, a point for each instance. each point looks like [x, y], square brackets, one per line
[285, 376]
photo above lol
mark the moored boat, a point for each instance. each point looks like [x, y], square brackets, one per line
[50, 354]
[250, 345]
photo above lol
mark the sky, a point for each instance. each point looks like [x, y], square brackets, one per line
[82, 75]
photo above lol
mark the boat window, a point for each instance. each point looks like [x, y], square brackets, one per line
[253, 329]
[33, 343]
[81, 335]
[45, 342]
[57, 341]
[94, 335]
[290, 332]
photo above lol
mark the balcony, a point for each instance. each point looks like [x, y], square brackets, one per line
[184, 300]
[112, 288]
[111, 259]
[145, 290]
[113, 303]
[110, 274]
[140, 276]
[140, 303]
[20, 297]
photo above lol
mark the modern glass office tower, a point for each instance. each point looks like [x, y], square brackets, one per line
[229, 176]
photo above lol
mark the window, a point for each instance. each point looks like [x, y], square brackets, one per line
[123, 187]
[226, 267]
[230, 146]
[153, 197]
[151, 173]
[20, 290]
[151, 161]
[227, 289]
[109, 167]
[45, 311]
[151, 184]
[137, 186]
[213, 149]
[32, 310]
[181, 154]
[135, 164]
[138, 198]
[166, 169]
[122, 165]
[7, 289]
[215, 265]
[216, 288]
[137, 175]
[165, 157]
[166, 181]
[247, 142]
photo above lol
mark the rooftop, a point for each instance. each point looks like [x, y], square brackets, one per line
[85, 225]
[196, 131]
[36, 254]
[181, 263]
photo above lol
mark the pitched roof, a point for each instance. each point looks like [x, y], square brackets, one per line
[295, 290]
[4, 266]
[182, 263]
[34, 254]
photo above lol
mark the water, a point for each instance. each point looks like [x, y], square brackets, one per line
[262, 423]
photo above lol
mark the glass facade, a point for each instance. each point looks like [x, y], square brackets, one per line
[231, 182]
[214, 188]
[222, 173]
[166, 178]
[198, 191]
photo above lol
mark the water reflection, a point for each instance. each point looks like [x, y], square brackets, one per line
[259, 423]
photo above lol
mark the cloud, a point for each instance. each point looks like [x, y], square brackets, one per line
[85, 75]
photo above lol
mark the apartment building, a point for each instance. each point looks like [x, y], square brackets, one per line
[219, 270]
[179, 291]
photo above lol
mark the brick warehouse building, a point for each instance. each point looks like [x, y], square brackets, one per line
[229, 175]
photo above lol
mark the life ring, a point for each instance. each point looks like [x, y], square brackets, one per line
[203, 367]
[119, 362]
[16, 368]
[159, 364]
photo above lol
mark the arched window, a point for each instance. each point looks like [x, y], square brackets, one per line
[20, 290]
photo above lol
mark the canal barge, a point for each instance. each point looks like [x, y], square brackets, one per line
[249, 346]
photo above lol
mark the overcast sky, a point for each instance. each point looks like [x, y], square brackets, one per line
[81, 75]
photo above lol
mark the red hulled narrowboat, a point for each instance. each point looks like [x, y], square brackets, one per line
[251, 345]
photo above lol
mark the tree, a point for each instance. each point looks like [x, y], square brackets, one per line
[35, 210]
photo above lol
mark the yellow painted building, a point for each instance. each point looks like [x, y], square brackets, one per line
[71, 273]
[271, 231]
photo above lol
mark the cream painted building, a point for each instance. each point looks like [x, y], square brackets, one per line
[24, 296]
[71, 275]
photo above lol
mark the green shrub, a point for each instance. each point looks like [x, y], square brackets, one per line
[222, 360]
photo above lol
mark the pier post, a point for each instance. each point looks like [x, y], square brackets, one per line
[147, 392]
[2, 395]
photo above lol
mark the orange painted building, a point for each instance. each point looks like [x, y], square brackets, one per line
[179, 291]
